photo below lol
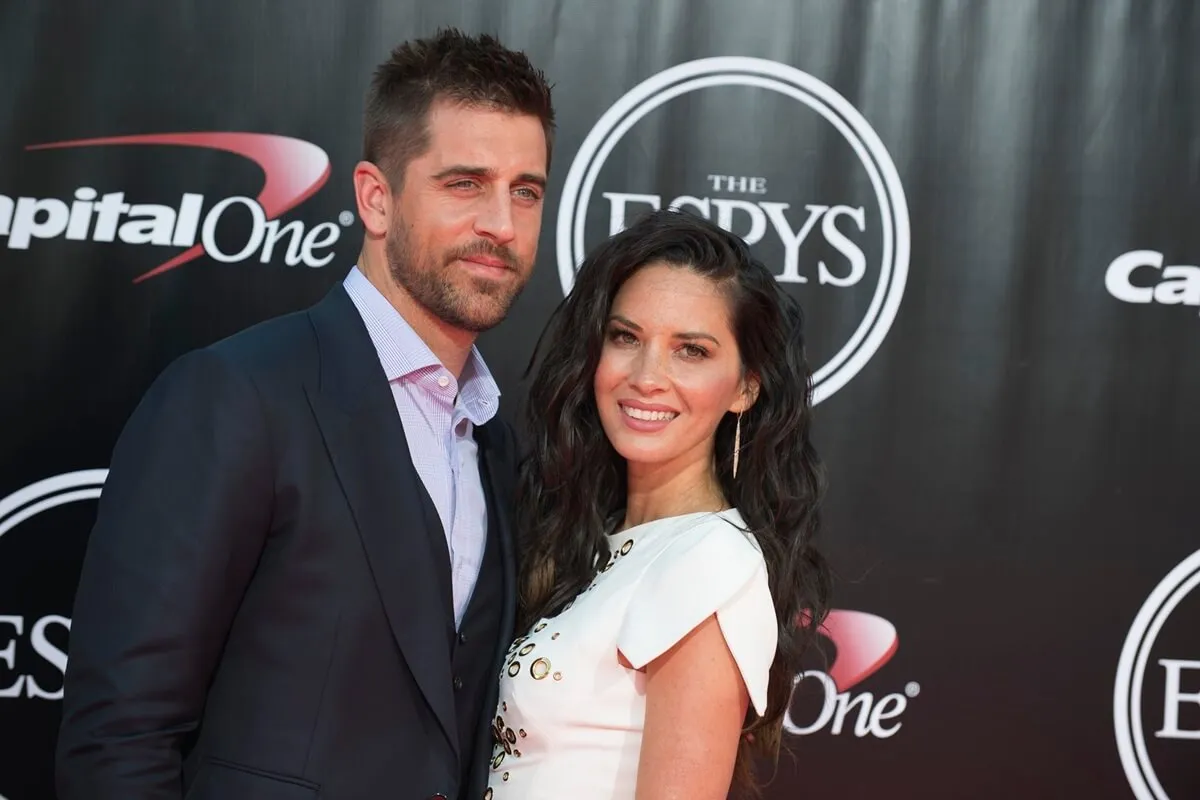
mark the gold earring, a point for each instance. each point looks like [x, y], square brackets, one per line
[737, 443]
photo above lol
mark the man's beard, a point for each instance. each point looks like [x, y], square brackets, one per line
[476, 309]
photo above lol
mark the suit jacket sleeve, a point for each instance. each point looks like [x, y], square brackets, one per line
[181, 522]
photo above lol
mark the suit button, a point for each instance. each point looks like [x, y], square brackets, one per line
[458, 683]
[462, 638]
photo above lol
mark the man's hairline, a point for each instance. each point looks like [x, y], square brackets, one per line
[443, 98]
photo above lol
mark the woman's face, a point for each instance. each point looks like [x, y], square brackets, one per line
[669, 368]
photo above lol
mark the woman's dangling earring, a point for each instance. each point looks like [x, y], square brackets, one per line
[737, 443]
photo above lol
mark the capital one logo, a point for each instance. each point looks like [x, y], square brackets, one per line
[1143, 276]
[1180, 693]
[864, 642]
[725, 138]
[293, 170]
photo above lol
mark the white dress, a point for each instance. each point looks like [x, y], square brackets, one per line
[570, 717]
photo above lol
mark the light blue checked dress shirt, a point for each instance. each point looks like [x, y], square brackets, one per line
[439, 415]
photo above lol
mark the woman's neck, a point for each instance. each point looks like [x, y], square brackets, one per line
[659, 491]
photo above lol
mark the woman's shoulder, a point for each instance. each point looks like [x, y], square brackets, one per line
[715, 533]
[709, 564]
[689, 547]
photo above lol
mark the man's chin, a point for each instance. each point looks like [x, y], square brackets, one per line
[483, 316]
[480, 323]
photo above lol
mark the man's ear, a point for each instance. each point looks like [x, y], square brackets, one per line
[373, 196]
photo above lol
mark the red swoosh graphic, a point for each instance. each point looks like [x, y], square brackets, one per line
[864, 643]
[293, 170]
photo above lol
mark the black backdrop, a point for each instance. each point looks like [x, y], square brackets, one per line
[999, 198]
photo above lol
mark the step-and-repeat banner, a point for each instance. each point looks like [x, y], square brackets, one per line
[987, 209]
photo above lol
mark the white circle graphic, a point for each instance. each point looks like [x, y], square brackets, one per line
[800, 86]
[46, 494]
[1131, 669]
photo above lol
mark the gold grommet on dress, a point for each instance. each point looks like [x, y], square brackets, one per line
[526, 650]
[625, 548]
[513, 669]
[539, 669]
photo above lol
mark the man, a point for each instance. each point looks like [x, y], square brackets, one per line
[301, 580]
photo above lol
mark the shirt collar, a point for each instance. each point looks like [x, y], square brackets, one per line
[404, 354]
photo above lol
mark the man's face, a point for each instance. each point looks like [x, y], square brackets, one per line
[469, 214]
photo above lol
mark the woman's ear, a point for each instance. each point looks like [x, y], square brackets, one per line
[747, 396]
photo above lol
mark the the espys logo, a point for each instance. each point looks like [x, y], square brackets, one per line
[1131, 692]
[18, 507]
[1140, 276]
[33, 655]
[293, 170]
[864, 643]
[857, 234]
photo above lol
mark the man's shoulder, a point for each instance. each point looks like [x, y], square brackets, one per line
[270, 343]
[280, 347]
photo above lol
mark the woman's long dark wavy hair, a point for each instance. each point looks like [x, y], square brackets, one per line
[573, 483]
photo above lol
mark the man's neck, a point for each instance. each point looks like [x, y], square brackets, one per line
[451, 345]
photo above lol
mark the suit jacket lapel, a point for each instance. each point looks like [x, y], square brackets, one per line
[496, 452]
[497, 469]
[396, 521]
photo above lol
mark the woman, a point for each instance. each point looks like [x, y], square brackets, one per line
[668, 581]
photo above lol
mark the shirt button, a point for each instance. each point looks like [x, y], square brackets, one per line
[443, 381]
[458, 683]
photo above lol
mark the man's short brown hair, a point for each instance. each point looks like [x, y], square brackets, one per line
[453, 66]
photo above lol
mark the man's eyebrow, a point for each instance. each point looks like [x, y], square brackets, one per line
[462, 169]
[487, 173]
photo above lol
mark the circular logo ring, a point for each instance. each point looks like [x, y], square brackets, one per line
[49, 493]
[791, 82]
[1131, 669]
[46, 494]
